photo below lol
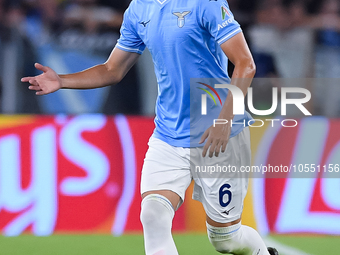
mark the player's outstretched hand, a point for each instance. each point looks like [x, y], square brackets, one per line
[45, 83]
[217, 139]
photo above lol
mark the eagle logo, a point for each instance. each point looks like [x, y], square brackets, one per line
[181, 16]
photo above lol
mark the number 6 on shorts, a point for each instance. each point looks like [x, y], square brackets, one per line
[224, 190]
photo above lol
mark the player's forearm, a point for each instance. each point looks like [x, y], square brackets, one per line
[242, 77]
[94, 77]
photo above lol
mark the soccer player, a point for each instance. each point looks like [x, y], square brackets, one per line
[187, 39]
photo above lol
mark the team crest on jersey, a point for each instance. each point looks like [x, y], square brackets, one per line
[181, 18]
[225, 12]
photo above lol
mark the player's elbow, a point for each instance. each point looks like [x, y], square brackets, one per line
[114, 74]
[250, 66]
[253, 67]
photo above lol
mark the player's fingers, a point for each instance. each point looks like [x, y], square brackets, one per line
[206, 147]
[218, 148]
[32, 87]
[212, 148]
[33, 82]
[40, 93]
[224, 146]
[204, 136]
[41, 67]
[26, 79]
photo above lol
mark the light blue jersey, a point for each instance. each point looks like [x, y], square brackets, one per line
[183, 37]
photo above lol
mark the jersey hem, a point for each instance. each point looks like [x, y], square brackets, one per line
[196, 145]
[172, 142]
[183, 142]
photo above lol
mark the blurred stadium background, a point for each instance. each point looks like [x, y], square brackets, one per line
[70, 162]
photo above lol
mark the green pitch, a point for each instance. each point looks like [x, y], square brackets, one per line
[133, 245]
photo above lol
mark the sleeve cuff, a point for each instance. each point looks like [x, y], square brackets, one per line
[229, 35]
[129, 49]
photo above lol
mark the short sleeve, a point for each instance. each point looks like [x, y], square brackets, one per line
[217, 18]
[129, 39]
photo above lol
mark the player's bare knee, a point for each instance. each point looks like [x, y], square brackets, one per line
[156, 211]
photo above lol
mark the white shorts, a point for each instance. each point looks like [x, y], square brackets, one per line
[218, 186]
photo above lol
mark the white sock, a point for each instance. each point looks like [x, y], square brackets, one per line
[237, 239]
[156, 216]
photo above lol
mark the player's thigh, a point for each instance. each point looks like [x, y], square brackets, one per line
[166, 171]
[222, 201]
[222, 187]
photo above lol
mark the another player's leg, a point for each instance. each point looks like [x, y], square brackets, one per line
[156, 216]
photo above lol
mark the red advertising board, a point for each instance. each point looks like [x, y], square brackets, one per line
[60, 173]
[307, 198]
